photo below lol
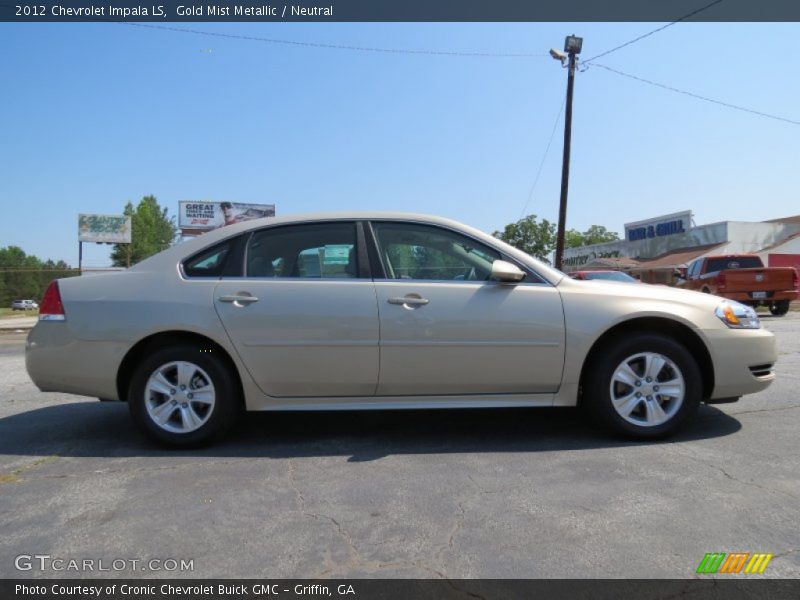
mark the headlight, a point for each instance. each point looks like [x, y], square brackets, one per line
[737, 316]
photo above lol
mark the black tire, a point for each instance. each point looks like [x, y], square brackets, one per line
[779, 308]
[219, 418]
[597, 384]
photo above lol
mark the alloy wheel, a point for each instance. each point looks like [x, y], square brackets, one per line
[647, 389]
[179, 397]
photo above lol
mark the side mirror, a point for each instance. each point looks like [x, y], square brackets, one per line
[679, 273]
[505, 271]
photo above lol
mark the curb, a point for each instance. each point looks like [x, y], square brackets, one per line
[20, 329]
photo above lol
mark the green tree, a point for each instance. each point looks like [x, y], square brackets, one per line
[151, 232]
[596, 234]
[537, 238]
[20, 277]
[573, 238]
[26, 276]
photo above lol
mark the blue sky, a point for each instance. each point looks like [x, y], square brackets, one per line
[94, 115]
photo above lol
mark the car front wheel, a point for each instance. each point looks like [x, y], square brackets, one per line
[644, 386]
[183, 397]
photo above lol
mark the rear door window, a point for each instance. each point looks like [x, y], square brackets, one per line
[313, 251]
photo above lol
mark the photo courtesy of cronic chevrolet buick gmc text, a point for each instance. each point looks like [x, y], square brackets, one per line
[346, 311]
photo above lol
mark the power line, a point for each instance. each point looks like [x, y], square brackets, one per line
[662, 28]
[698, 96]
[544, 158]
[339, 46]
[24, 270]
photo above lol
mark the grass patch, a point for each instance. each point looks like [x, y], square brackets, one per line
[15, 475]
[8, 313]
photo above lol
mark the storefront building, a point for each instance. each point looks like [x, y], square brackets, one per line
[652, 249]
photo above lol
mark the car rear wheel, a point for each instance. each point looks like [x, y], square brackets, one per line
[182, 397]
[779, 308]
[644, 386]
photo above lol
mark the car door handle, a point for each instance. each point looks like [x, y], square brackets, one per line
[238, 299]
[409, 300]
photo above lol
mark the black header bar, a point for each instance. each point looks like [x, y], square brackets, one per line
[722, 588]
[399, 10]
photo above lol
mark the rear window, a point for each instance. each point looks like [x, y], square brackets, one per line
[736, 262]
[209, 262]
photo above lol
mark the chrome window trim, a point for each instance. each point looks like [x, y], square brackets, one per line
[368, 222]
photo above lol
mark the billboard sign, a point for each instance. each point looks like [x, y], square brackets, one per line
[197, 217]
[107, 229]
[659, 226]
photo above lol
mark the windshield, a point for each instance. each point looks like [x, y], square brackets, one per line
[611, 276]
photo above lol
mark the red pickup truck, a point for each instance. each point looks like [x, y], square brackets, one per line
[744, 278]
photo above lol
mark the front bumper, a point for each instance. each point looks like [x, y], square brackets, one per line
[743, 360]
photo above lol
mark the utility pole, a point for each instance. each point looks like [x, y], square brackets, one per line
[572, 46]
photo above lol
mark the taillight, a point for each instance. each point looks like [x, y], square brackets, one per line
[51, 308]
[721, 281]
[795, 279]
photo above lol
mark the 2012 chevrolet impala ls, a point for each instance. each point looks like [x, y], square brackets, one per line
[348, 311]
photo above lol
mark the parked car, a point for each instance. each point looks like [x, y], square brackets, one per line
[346, 311]
[24, 305]
[744, 278]
[604, 275]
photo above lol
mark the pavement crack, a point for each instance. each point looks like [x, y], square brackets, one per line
[728, 475]
[785, 553]
[352, 549]
[459, 524]
[454, 531]
[125, 471]
[760, 410]
[302, 506]
[298, 493]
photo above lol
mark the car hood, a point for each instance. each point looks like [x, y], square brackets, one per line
[619, 289]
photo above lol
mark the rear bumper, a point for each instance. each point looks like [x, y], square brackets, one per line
[57, 362]
[743, 361]
[771, 296]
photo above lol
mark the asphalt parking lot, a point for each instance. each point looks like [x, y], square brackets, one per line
[495, 494]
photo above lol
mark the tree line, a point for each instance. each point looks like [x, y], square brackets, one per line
[538, 238]
[24, 276]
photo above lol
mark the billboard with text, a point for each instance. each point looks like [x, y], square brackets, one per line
[106, 229]
[197, 217]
